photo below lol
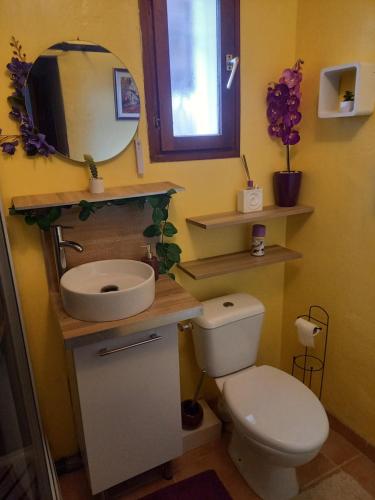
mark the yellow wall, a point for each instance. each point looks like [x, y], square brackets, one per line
[210, 185]
[338, 269]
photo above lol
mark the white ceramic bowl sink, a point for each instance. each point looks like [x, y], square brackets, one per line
[106, 290]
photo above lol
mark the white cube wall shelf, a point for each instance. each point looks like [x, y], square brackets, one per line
[364, 90]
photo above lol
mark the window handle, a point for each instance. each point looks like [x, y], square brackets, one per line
[232, 65]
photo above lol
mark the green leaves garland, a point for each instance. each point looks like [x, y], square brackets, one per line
[44, 219]
[168, 253]
[88, 208]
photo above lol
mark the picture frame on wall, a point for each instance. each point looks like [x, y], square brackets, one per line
[127, 102]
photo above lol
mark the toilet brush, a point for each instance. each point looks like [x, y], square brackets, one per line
[191, 410]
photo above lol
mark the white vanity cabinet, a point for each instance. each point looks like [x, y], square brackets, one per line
[127, 392]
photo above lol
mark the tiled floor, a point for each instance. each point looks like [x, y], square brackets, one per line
[336, 454]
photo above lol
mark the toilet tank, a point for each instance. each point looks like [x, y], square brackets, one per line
[226, 337]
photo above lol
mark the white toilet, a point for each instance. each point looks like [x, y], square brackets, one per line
[278, 422]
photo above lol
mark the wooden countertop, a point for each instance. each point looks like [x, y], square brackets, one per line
[172, 304]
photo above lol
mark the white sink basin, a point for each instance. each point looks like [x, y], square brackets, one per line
[107, 290]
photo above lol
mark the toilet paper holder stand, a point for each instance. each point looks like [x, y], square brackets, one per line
[310, 363]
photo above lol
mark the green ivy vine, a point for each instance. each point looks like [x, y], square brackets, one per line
[43, 218]
[89, 208]
[168, 253]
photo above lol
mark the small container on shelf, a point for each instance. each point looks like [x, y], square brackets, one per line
[347, 103]
[250, 199]
[96, 185]
[151, 260]
[257, 244]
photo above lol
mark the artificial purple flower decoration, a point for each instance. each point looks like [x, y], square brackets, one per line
[8, 143]
[283, 100]
[33, 141]
[9, 147]
[18, 70]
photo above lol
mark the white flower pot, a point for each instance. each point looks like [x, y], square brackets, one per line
[96, 185]
[346, 106]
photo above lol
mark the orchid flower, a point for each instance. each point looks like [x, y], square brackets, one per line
[283, 100]
[33, 141]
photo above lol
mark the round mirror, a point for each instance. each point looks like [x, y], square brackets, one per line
[84, 100]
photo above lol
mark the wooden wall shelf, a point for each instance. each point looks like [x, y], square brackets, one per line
[213, 221]
[74, 197]
[230, 263]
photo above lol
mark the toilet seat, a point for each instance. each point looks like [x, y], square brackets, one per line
[276, 410]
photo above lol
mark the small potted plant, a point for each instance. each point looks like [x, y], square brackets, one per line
[96, 184]
[283, 100]
[347, 103]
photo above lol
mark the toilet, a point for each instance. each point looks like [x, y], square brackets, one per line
[278, 422]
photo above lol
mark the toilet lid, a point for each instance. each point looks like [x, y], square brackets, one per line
[276, 409]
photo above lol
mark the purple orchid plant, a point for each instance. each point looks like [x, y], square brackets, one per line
[33, 141]
[283, 100]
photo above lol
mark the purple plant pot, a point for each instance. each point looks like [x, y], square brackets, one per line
[286, 187]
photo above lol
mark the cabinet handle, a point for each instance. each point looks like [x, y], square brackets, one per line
[105, 351]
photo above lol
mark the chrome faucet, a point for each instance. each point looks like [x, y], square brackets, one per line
[59, 244]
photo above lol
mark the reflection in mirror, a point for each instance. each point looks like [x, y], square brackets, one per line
[84, 100]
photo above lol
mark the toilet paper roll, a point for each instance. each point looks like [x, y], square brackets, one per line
[306, 331]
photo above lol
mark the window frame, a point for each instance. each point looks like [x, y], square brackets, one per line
[163, 145]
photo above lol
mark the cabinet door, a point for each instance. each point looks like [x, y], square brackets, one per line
[130, 405]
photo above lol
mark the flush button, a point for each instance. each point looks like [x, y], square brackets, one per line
[228, 304]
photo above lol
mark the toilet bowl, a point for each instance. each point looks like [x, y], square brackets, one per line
[278, 422]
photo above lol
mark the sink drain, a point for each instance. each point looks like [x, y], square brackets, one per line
[109, 288]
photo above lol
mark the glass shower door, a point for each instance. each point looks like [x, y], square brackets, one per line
[26, 469]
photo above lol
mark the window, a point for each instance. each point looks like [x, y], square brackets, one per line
[189, 53]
